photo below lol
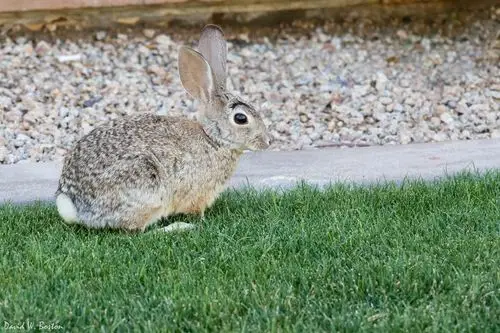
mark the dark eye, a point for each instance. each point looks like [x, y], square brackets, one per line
[240, 119]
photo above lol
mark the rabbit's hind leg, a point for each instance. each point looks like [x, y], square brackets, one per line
[178, 226]
[141, 219]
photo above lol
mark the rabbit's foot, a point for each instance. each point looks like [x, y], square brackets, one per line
[178, 226]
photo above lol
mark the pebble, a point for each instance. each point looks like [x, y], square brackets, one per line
[69, 58]
[163, 40]
[402, 34]
[42, 48]
[440, 136]
[446, 118]
[495, 134]
[440, 109]
[386, 101]
[381, 81]
[3, 154]
[398, 108]
[405, 137]
[435, 122]
[304, 118]
[101, 35]
[404, 83]
[149, 33]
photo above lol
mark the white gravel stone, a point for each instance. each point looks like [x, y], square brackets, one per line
[100, 35]
[163, 40]
[446, 118]
[381, 81]
[3, 154]
[386, 101]
[69, 58]
[42, 48]
[149, 33]
[495, 133]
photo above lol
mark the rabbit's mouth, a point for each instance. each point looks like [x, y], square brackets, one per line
[259, 144]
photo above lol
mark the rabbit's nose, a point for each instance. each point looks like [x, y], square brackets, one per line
[268, 140]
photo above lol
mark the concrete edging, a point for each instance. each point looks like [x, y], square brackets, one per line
[27, 182]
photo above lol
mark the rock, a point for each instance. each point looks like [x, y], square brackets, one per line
[304, 118]
[495, 134]
[3, 154]
[451, 104]
[122, 37]
[480, 108]
[149, 33]
[440, 136]
[451, 56]
[381, 81]
[435, 122]
[398, 108]
[282, 127]
[20, 140]
[305, 140]
[42, 48]
[33, 116]
[63, 112]
[410, 101]
[314, 136]
[69, 58]
[13, 116]
[404, 83]
[491, 117]
[289, 58]
[440, 109]
[494, 94]
[359, 91]
[90, 102]
[101, 35]
[385, 100]
[446, 118]
[350, 116]
[379, 116]
[426, 44]
[405, 137]
[402, 34]
[5, 103]
[163, 40]
[86, 127]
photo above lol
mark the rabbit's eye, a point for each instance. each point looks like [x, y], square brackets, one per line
[240, 119]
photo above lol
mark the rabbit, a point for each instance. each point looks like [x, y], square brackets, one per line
[130, 172]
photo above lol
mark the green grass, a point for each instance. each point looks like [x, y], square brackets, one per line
[420, 257]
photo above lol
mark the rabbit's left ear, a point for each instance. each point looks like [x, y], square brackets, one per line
[213, 47]
[196, 75]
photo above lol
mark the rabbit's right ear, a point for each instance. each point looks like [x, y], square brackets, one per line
[213, 47]
[196, 75]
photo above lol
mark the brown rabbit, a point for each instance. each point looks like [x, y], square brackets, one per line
[131, 172]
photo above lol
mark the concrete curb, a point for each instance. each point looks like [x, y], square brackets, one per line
[27, 182]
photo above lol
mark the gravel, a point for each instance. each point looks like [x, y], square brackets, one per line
[349, 83]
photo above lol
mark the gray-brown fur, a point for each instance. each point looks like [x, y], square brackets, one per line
[131, 171]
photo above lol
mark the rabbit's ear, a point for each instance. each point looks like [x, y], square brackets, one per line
[213, 47]
[196, 75]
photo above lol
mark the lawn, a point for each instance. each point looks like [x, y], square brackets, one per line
[414, 257]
